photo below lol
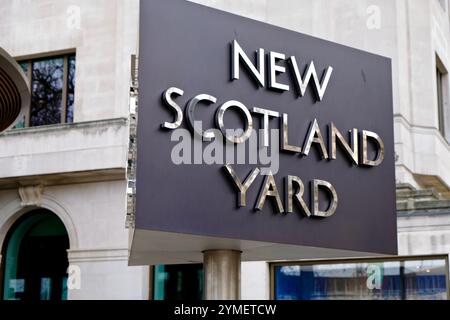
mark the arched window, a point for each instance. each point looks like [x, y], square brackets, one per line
[35, 258]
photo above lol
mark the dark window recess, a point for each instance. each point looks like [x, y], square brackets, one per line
[46, 92]
[440, 100]
[24, 66]
[52, 90]
[70, 89]
[35, 261]
[178, 282]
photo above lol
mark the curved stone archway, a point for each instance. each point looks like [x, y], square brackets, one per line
[35, 261]
[14, 210]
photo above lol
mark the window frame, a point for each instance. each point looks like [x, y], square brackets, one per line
[401, 259]
[442, 96]
[440, 101]
[29, 59]
[153, 292]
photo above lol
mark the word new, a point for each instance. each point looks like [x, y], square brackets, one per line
[258, 72]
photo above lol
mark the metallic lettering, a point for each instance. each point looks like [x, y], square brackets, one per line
[276, 69]
[290, 195]
[167, 98]
[284, 137]
[335, 135]
[314, 136]
[316, 212]
[248, 117]
[269, 189]
[257, 73]
[242, 187]
[265, 122]
[302, 83]
[190, 110]
[380, 152]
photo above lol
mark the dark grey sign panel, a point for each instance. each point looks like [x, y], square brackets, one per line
[190, 47]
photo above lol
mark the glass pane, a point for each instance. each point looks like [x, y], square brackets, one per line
[46, 287]
[70, 89]
[160, 278]
[24, 65]
[20, 124]
[393, 280]
[425, 280]
[46, 96]
[178, 282]
[64, 289]
[16, 288]
[338, 281]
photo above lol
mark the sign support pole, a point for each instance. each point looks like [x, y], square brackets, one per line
[222, 274]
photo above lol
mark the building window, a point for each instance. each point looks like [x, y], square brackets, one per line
[440, 100]
[377, 279]
[70, 88]
[52, 82]
[442, 96]
[178, 282]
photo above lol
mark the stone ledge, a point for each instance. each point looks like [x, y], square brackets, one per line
[64, 149]
[66, 126]
[97, 255]
[64, 178]
[415, 202]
